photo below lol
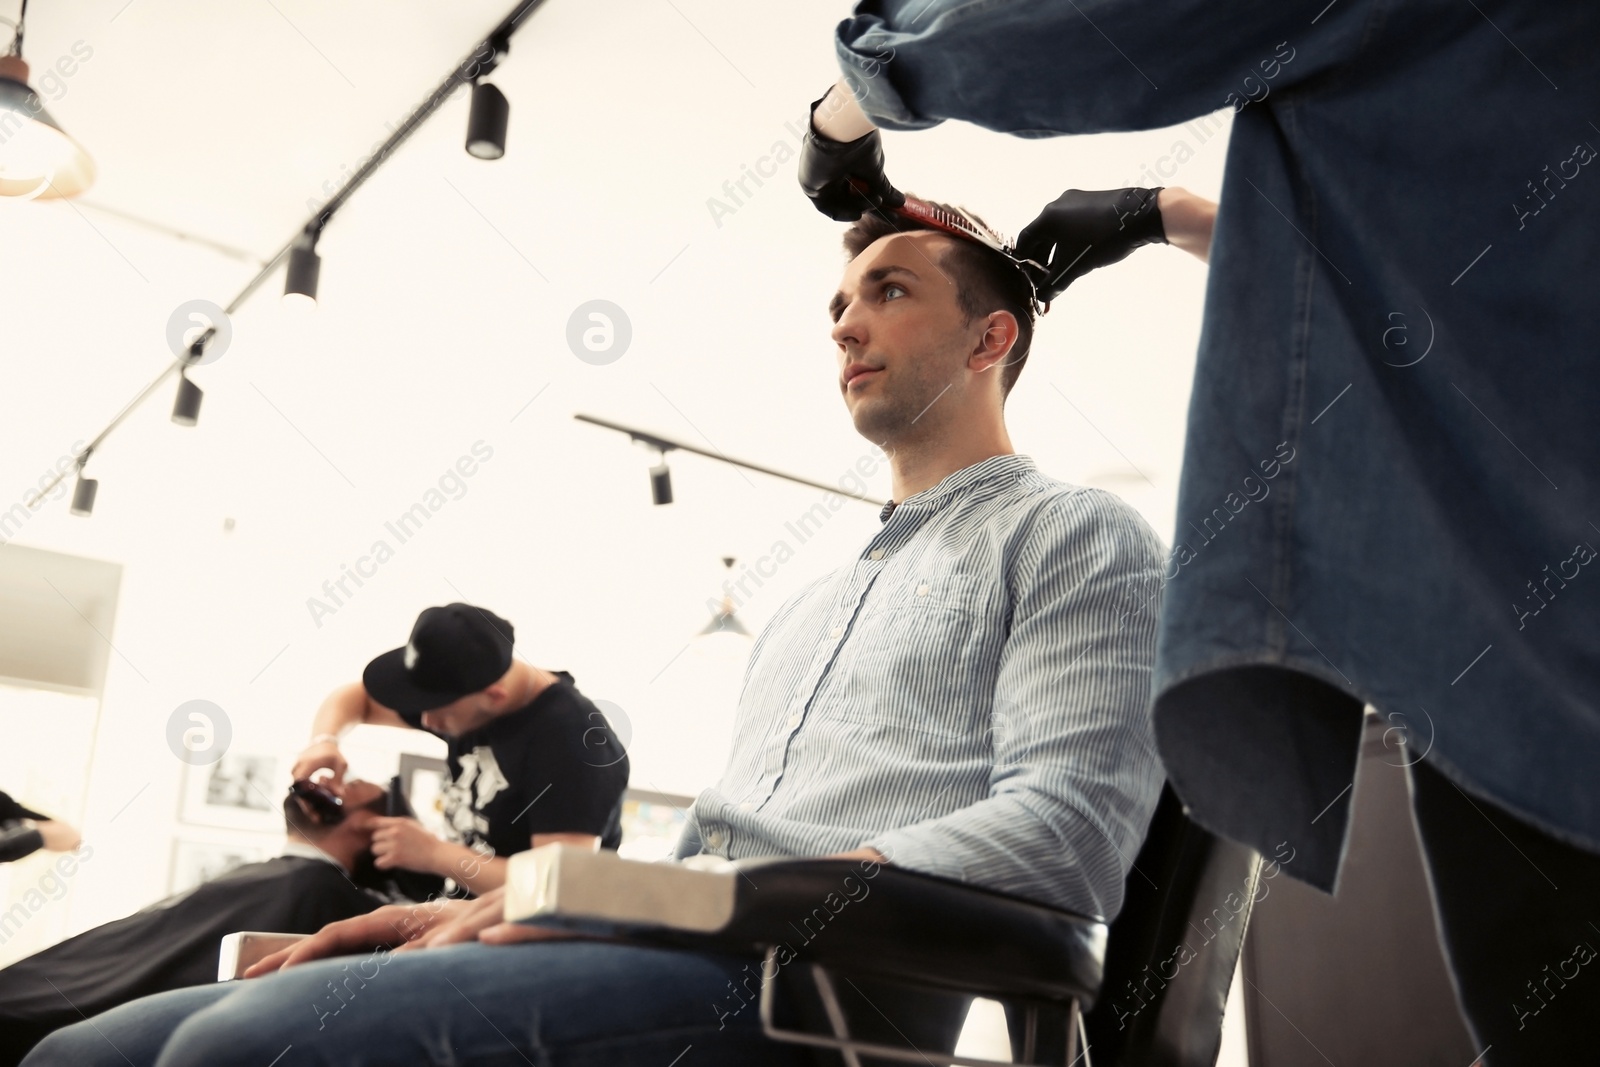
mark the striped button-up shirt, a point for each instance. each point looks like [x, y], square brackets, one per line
[970, 696]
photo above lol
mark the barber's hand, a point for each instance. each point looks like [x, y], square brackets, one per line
[316, 757]
[1083, 230]
[391, 924]
[59, 836]
[844, 178]
[399, 842]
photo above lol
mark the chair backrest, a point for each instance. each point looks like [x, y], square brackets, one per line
[1172, 949]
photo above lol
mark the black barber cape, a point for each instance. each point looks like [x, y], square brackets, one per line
[169, 945]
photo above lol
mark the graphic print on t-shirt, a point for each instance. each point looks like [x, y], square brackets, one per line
[465, 798]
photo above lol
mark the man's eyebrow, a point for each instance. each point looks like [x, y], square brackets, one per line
[876, 274]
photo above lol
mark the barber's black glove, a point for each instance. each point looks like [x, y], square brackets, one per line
[827, 167]
[1080, 231]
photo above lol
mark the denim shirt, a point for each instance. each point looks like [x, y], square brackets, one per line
[970, 696]
[1401, 325]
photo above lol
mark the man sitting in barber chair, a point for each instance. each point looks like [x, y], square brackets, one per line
[174, 943]
[968, 697]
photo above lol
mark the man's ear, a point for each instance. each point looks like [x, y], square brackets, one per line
[992, 347]
[304, 822]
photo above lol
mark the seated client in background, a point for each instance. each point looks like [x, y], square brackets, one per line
[174, 943]
[968, 697]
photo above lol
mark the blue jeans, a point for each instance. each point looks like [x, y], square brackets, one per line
[553, 1004]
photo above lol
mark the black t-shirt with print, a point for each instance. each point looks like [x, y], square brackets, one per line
[554, 765]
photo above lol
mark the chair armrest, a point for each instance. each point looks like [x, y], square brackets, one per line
[245, 948]
[893, 923]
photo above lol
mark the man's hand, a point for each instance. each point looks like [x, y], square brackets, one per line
[865, 852]
[388, 925]
[1080, 231]
[483, 919]
[844, 178]
[59, 836]
[316, 757]
[399, 842]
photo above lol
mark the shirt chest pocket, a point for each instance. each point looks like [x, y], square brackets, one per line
[905, 604]
[924, 653]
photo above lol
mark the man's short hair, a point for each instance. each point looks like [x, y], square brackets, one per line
[985, 280]
[300, 821]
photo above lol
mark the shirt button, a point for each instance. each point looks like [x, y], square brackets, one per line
[876, 553]
[714, 838]
[922, 590]
[836, 631]
[747, 806]
[794, 720]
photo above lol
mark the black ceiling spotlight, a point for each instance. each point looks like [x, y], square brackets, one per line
[491, 111]
[186, 408]
[660, 477]
[83, 493]
[661, 481]
[486, 126]
[300, 280]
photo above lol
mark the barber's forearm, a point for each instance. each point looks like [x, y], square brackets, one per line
[839, 117]
[478, 873]
[344, 707]
[1187, 220]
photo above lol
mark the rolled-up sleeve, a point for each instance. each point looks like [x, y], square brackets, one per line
[1075, 774]
[1042, 68]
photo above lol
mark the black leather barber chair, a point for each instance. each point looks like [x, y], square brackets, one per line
[875, 969]
[1148, 991]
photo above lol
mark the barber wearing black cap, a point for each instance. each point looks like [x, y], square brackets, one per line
[532, 760]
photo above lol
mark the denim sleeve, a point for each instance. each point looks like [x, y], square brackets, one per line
[1042, 68]
[1075, 776]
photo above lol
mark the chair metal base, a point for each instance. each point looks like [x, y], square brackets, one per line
[852, 1049]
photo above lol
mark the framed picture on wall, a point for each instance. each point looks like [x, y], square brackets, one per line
[241, 791]
[425, 778]
[198, 858]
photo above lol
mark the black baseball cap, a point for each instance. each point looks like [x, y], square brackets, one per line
[454, 650]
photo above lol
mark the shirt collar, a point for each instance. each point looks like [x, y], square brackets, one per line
[1008, 465]
[310, 852]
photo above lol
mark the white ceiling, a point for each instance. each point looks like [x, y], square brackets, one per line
[447, 284]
